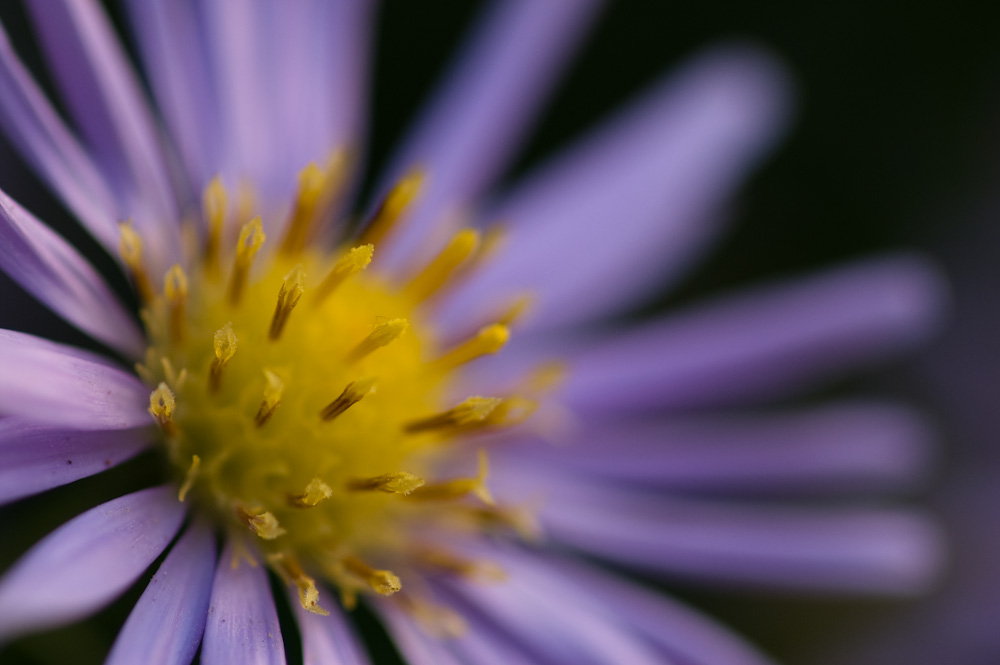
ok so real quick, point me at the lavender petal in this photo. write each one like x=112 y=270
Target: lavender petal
x=327 y=640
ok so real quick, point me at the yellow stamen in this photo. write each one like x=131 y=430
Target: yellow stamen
x=444 y=265
x=382 y=581
x=471 y=411
x=189 y=478
x=349 y=265
x=225 y=348
x=175 y=287
x=439 y=621
x=509 y=411
x=459 y=487
x=314 y=492
x=382 y=335
x=288 y=297
x=161 y=407
x=393 y=206
x=487 y=341
x=261 y=522
x=272 y=398
x=311 y=181
x=352 y=394
x=290 y=569
x=456 y=565
x=251 y=238
x=130 y=249
x=398 y=482
x=214 y=202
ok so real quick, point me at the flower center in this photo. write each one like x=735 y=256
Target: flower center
x=304 y=402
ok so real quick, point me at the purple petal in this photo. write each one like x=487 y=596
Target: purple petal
x=327 y=640
x=466 y=137
x=48 y=267
x=605 y=224
x=35 y=457
x=167 y=623
x=66 y=387
x=763 y=344
x=106 y=100
x=35 y=129
x=845 y=447
x=242 y=622
x=417 y=647
x=88 y=561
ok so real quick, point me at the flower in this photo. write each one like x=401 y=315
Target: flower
x=346 y=409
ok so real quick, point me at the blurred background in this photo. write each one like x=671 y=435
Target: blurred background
x=895 y=143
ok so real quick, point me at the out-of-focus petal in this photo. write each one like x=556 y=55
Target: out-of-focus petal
x=417 y=647
x=841 y=447
x=167 y=623
x=35 y=457
x=35 y=129
x=607 y=222
x=766 y=343
x=105 y=98
x=242 y=622
x=49 y=268
x=88 y=561
x=470 y=131
x=326 y=640
x=66 y=387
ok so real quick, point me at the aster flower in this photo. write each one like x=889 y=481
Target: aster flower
x=420 y=414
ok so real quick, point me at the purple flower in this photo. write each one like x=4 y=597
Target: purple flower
x=371 y=430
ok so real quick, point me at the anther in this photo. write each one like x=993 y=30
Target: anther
x=225 y=348
x=251 y=238
x=444 y=265
x=456 y=565
x=471 y=411
x=290 y=569
x=261 y=522
x=161 y=407
x=130 y=249
x=437 y=620
x=214 y=202
x=383 y=582
x=487 y=341
x=457 y=488
x=382 y=335
x=398 y=482
x=311 y=180
x=352 y=394
x=288 y=297
x=314 y=492
x=393 y=206
x=192 y=472
x=175 y=288
x=272 y=398
x=356 y=260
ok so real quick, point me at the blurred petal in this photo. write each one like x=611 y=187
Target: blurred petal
x=63 y=386
x=607 y=222
x=35 y=457
x=102 y=92
x=416 y=646
x=167 y=623
x=326 y=640
x=763 y=344
x=242 y=622
x=49 y=268
x=87 y=562
x=471 y=130
x=43 y=141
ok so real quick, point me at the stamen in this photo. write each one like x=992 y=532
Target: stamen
x=175 y=287
x=382 y=335
x=311 y=181
x=288 y=297
x=452 y=563
x=398 y=482
x=439 y=621
x=471 y=411
x=225 y=348
x=251 y=238
x=487 y=341
x=509 y=411
x=314 y=492
x=444 y=265
x=161 y=407
x=289 y=568
x=214 y=202
x=189 y=478
x=272 y=398
x=393 y=206
x=457 y=488
x=349 y=265
x=383 y=582
x=261 y=522
x=353 y=393
x=130 y=249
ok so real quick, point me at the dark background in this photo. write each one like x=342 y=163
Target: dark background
x=893 y=144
